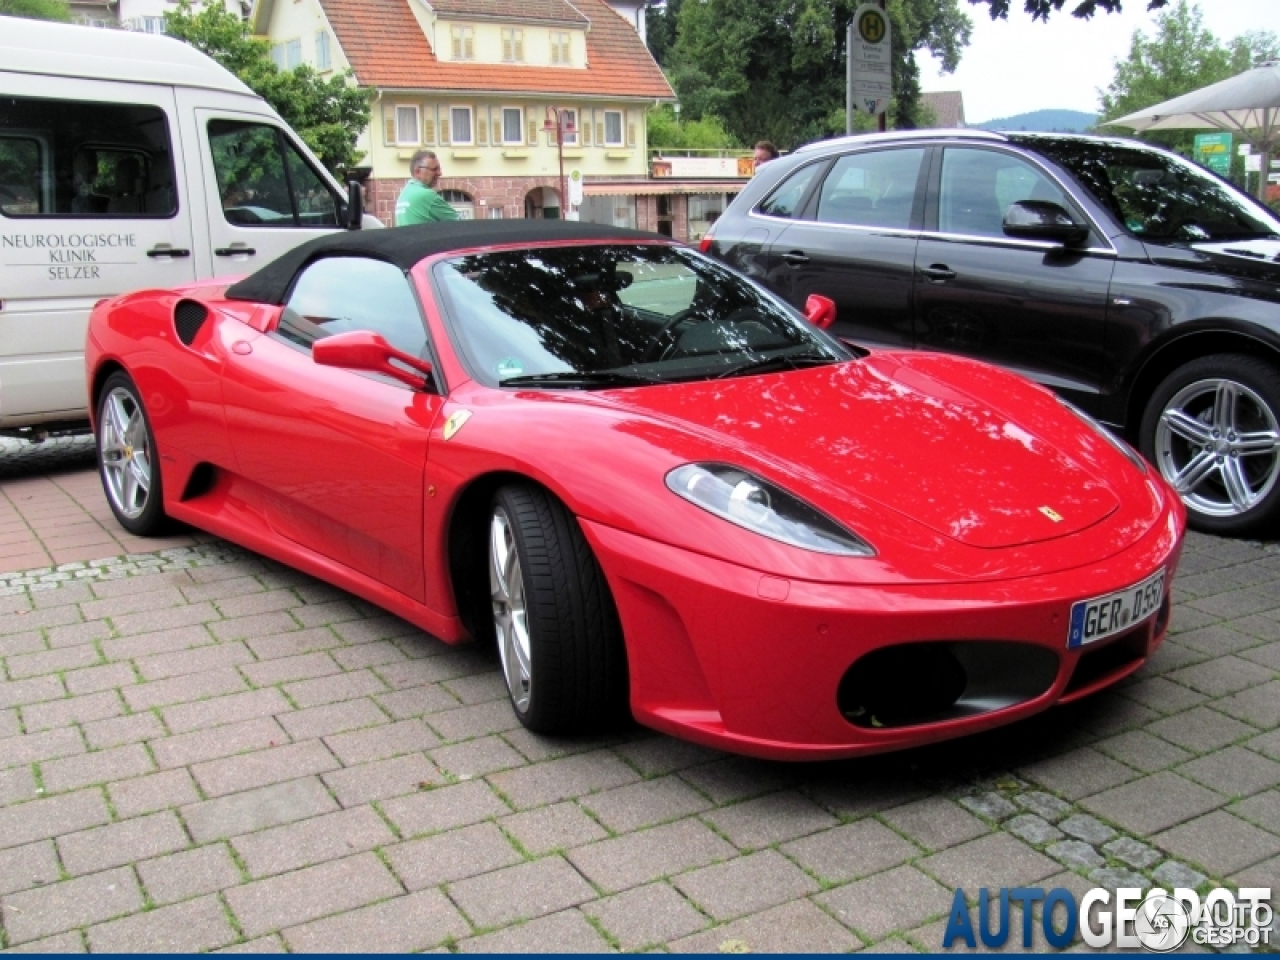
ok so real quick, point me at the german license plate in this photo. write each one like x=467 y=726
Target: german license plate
x=1101 y=617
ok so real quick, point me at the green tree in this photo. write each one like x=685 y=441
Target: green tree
x=329 y=114
x=660 y=27
x=1040 y=9
x=667 y=131
x=36 y=9
x=775 y=69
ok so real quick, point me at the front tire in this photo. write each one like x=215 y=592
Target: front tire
x=555 y=623
x=127 y=460
x=1212 y=429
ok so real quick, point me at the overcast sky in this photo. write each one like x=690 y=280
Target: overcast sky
x=1014 y=66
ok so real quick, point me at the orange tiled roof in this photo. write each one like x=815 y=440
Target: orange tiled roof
x=387 y=49
x=558 y=10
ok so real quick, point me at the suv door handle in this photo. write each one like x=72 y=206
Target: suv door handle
x=164 y=250
x=794 y=258
x=234 y=251
x=938 y=272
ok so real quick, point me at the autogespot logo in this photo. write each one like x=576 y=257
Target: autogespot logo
x=1158 y=920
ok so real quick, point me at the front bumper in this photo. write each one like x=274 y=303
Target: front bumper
x=737 y=659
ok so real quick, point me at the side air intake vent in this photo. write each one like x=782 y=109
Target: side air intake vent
x=188 y=317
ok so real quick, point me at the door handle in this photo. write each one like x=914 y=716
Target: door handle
x=164 y=250
x=794 y=258
x=938 y=272
x=233 y=251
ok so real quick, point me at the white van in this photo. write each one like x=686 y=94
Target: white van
x=127 y=161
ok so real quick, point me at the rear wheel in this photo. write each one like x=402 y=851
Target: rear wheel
x=127 y=458
x=1212 y=428
x=556 y=627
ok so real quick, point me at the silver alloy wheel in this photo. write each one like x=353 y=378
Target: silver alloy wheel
x=1218 y=444
x=510 y=619
x=126 y=453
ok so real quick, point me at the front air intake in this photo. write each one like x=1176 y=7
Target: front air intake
x=188 y=317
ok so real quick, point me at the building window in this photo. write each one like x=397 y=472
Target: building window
x=322 y=50
x=460 y=122
x=512 y=125
x=613 y=128
x=560 y=47
x=407 y=125
x=568 y=128
x=461 y=202
x=464 y=42
x=277 y=54
x=512 y=45
x=293 y=54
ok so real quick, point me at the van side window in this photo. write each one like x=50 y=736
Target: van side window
x=263 y=181
x=64 y=158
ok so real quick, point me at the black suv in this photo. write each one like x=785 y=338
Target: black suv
x=1140 y=287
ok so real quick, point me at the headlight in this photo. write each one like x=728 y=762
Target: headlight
x=763 y=508
x=1134 y=457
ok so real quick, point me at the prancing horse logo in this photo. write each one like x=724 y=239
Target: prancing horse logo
x=1052 y=514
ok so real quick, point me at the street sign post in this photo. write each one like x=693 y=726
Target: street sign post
x=870 y=62
x=1214 y=151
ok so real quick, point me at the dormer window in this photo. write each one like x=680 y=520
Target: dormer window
x=512 y=45
x=464 y=42
x=560 y=48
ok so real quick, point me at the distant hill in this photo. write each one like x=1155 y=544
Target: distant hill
x=1046 y=120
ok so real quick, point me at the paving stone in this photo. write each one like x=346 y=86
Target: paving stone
x=38 y=913
x=72 y=942
x=323 y=614
x=101 y=766
x=303 y=895
x=381 y=779
x=1043 y=805
x=52 y=661
x=41 y=819
x=17 y=784
x=1163 y=695
x=432 y=699
x=121 y=843
x=262 y=767
x=162 y=641
x=268 y=635
x=562 y=779
x=1075 y=854
x=520 y=892
x=647 y=916
x=1078 y=773
x=769 y=820
x=1259 y=875
x=414 y=922
x=1267 y=744
x=308 y=842
x=477 y=758
x=184 y=689
x=94 y=679
x=1035 y=830
x=850 y=851
x=118 y=731
x=935 y=823
x=257 y=809
x=390 y=740
x=1173 y=874
x=1130 y=851
x=444 y=808
x=647 y=855
x=972 y=864
x=333 y=718
x=305 y=666
x=1259 y=706
x=1262 y=809
x=1087 y=828
x=564 y=932
x=181 y=876
x=40 y=747
x=62 y=713
x=645 y=803
x=22 y=868
x=74 y=634
x=166 y=619
x=334 y=689
x=248 y=603
x=430 y=669
x=657 y=755
x=185 y=927
x=16 y=693
x=215 y=742
x=451 y=856
x=234 y=587
x=797 y=927
x=555 y=827
x=157 y=791
x=1200 y=729
x=1140 y=749
x=1220 y=676
x=156 y=598
x=383 y=627
x=1234 y=771
x=1219 y=842
x=1153 y=803
x=894 y=900
x=989 y=805
x=737 y=778
x=166 y=665
x=745 y=884
x=235 y=708
x=478 y=688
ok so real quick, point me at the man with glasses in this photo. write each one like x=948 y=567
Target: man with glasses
x=418 y=201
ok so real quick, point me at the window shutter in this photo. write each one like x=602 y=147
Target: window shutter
x=444 y=131
x=457 y=44
x=428 y=131
x=468 y=46
x=533 y=133
x=586 y=128
x=482 y=132
x=631 y=134
x=497 y=130
x=600 y=133
x=519 y=46
x=388 y=124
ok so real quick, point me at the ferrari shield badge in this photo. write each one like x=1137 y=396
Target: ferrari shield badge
x=1049 y=512
x=455 y=422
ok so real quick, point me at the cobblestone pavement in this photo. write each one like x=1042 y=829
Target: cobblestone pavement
x=200 y=749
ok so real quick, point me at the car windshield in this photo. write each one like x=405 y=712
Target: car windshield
x=1159 y=196
x=589 y=317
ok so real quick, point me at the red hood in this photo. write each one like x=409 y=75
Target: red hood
x=879 y=430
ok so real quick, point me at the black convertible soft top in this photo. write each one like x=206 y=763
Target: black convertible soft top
x=405 y=246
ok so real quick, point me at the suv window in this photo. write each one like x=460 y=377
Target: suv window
x=979 y=185
x=786 y=197
x=67 y=158
x=874 y=189
x=341 y=294
x=263 y=181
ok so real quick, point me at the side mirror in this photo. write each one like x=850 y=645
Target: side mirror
x=356 y=177
x=820 y=311
x=1043 y=220
x=364 y=350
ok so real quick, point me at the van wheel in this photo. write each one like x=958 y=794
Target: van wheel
x=127 y=458
x=556 y=627
x=1212 y=428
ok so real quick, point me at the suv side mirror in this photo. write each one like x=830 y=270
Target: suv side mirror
x=356 y=177
x=365 y=350
x=820 y=311
x=1043 y=220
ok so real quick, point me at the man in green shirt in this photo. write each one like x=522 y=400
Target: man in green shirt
x=418 y=202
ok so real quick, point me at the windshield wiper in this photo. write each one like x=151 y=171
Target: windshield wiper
x=580 y=379
x=770 y=364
